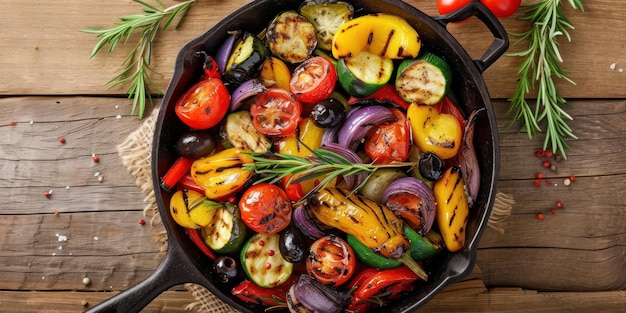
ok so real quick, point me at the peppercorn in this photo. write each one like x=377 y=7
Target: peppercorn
x=540 y=216
x=537 y=183
x=62 y=140
x=559 y=204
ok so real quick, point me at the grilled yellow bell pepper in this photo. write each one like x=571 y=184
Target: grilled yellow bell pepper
x=452 y=208
x=439 y=133
x=386 y=35
x=373 y=224
x=192 y=209
x=222 y=174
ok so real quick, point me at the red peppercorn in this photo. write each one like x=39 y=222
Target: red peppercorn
x=261 y=243
x=537 y=183
x=539 y=176
x=572 y=178
x=62 y=140
x=540 y=153
x=549 y=181
x=95 y=158
x=13 y=124
x=142 y=222
x=47 y=194
x=268 y=265
x=553 y=211
x=546 y=164
x=549 y=153
x=559 y=204
x=271 y=253
x=540 y=216
x=232 y=200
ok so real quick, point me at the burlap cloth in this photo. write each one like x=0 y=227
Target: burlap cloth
x=135 y=153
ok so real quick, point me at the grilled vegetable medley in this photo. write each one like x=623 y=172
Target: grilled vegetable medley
x=325 y=160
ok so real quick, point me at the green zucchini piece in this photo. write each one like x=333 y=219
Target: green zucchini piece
x=424 y=80
x=240 y=132
x=226 y=232
x=327 y=18
x=246 y=59
x=291 y=37
x=262 y=261
x=364 y=74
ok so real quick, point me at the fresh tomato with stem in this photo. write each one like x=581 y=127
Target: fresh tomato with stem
x=390 y=141
x=331 y=261
x=265 y=208
x=502 y=8
x=275 y=112
x=313 y=80
x=204 y=104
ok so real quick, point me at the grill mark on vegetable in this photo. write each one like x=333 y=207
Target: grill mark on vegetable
x=380 y=214
x=389 y=37
x=457 y=184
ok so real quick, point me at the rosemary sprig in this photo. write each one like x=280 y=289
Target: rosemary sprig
x=541 y=64
x=274 y=167
x=136 y=66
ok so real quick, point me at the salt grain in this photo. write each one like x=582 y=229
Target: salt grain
x=118 y=116
x=62 y=238
x=613 y=66
x=95 y=238
x=86 y=281
x=96 y=174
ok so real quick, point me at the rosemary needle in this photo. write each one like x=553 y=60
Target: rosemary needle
x=274 y=167
x=136 y=66
x=541 y=64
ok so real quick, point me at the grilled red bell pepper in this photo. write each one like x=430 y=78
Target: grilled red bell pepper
x=373 y=287
x=385 y=94
x=197 y=239
x=250 y=292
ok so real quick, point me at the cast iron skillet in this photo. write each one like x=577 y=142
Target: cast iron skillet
x=184 y=263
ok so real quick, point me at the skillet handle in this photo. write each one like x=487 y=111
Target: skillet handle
x=501 y=39
x=171 y=272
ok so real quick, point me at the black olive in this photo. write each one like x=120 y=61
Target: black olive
x=195 y=144
x=292 y=245
x=430 y=166
x=328 y=113
x=226 y=268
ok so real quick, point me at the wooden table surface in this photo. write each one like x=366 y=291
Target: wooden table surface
x=572 y=261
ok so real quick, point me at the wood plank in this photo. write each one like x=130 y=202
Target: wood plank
x=39 y=54
x=48 y=252
x=34 y=161
x=512 y=300
x=72 y=301
x=516 y=300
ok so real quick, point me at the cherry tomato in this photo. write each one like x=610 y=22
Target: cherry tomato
x=502 y=8
x=204 y=104
x=448 y=6
x=390 y=141
x=313 y=80
x=265 y=208
x=275 y=112
x=331 y=261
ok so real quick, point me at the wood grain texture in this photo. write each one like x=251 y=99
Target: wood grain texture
x=42 y=40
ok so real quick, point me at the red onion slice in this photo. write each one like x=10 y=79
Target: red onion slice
x=306 y=223
x=359 y=123
x=318 y=297
x=468 y=162
x=351 y=180
x=246 y=90
x=223 y=53
x=414 y=186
